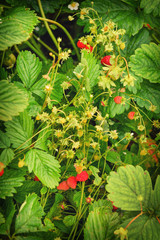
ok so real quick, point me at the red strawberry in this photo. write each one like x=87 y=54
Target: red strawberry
x=82 y=177
x=1 y=172
x=63 y=186
x=114 y=207
x=71 y=182
x=89 y=47
x=131 y=115
x=88 y=199
x=106 y=60
x=117 y=99
x=149 y=26
x=80 y=44
x=102 y=103
x=36 y=178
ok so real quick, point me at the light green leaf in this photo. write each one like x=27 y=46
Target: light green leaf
x=8 y=212
x=101 y=203
x=4 y=140
x=69 y=220
x=114 y=157
x=7 y=156
x=128 y=187
x=45 y=167
x=38 y=88
x=100 y=224
x=151 y=6
x=146 y=62
x=77 y=198
x=27 y=187
x=95 y=171
x=149 y=95
x=9 y=181
x=144 y=227
x=12 y=100
x=156 y=196
x=29 y=216
x=16 y=27
x=28 y=68
x=20 y=130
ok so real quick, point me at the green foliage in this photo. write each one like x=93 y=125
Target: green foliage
x=151 y=6
x=146 y=62
x=128 y=187
x=28 y=68
x=29 y=216
x=7 y=156
x=45 y=167
x=12 y=100
x=114 y=157
x=16 y=27
x=20 y=130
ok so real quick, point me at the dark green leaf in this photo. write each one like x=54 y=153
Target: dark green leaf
x=4 y=140
x=41 y=142
x=151 y=6
x=69 y=220
x=114 y=157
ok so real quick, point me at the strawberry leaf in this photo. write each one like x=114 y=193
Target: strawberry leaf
x=128 y=186
x=16 y=27
x=146 y=62
x=6 y=156
x=151 y=6
x=29 y=216
x=45 y=167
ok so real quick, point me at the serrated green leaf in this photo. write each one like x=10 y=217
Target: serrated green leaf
x=38 y=88
x=134 y=42
x=146 y=62
x=20 y=130
x=125 y=15
x=128 y=186
x=151 y=6
x=28 y=68
x=27 y=187
x=9 y=181
x=156 y=196
x=12 y=100
x=4 y=140
x=69 y=220
x=149 y=95
x=45 y=167
x=29 y=216
x=57 y=92
x=2 y=219
x=144 y=227
x=100 y=224
x=7 y=156
x=77 y=198
x=95 y=171
x=114 y=157
x=101 y=203
x=16 y=27
x=8 y=209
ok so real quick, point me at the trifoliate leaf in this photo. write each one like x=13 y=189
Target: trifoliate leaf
x=16 y=26
x=20 y=130
x=45 y=167
x=129 y=187
x=28 y=68
x=12 y=100
x=29 y=216
x=146 y=62
x=9 y=181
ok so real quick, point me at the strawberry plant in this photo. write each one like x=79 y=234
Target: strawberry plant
x=79 y=120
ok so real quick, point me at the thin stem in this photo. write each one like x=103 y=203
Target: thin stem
x=155 y=38
x=46 y=24
x=2 y=58
x=133 y=220
x=17 y=49
x=65 y=31
x=45 y=45
x=35 y=50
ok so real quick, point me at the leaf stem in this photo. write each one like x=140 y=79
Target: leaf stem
x=46 y=24
x=65 y=31
x=133 y=220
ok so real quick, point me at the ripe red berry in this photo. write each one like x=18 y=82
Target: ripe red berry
x=102 y=103
x=106 y=60
x=80 y=44
x=114 y=207
x=63 y=186
x=36 y=178
x=117 y=99
x=131 y=115
x=71 y=182
x=88 y=199
x=149 y=26
x=82 y=177
x=1 y=172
